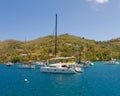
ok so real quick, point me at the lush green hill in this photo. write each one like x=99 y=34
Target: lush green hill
x=67 y=45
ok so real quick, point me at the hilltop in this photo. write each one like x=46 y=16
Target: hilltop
x=67 y=45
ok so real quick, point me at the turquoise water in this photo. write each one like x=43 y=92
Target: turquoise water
x=97 y=80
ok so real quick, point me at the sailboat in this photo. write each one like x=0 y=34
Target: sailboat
x=8 y=62
x=112 y=61
x=85 y=62
x=26 y=64
x=59 y=67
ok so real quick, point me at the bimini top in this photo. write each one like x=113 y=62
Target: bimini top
x=58 y=58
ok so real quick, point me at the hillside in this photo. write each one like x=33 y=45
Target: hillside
x=67 y=45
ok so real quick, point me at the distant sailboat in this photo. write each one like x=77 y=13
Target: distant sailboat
x=8 y=61
x=112 y=61
x=85 y=62
x=26 y=64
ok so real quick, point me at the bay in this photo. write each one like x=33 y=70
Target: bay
x=97 y=80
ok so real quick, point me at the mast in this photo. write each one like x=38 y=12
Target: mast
x=55 y=35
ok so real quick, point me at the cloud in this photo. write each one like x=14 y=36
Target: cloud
x=98 y=5
x=99 y=1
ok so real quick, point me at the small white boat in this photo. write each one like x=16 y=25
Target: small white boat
x=27 y=65
x=112 y=62
x=78 y=69
x=39 y=63
x=9 y=63
x=85 y=64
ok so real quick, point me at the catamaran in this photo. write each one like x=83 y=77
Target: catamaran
x=59 y=67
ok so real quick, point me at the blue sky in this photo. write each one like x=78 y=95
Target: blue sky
x=93 y=19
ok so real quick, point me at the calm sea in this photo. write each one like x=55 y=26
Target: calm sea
x=97 y=80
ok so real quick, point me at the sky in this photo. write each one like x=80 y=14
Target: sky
x=30 y=19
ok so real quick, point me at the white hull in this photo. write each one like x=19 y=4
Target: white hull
x=39 y=63
x=78 y=69
x=25 y=66
x=9 y=63
x=112 y=62
x=57 y=70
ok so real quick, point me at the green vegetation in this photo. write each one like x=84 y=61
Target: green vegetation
x=68 y=45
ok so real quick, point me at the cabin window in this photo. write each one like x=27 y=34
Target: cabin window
x=64 y=65
x=55 y=70
x=62 y=70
